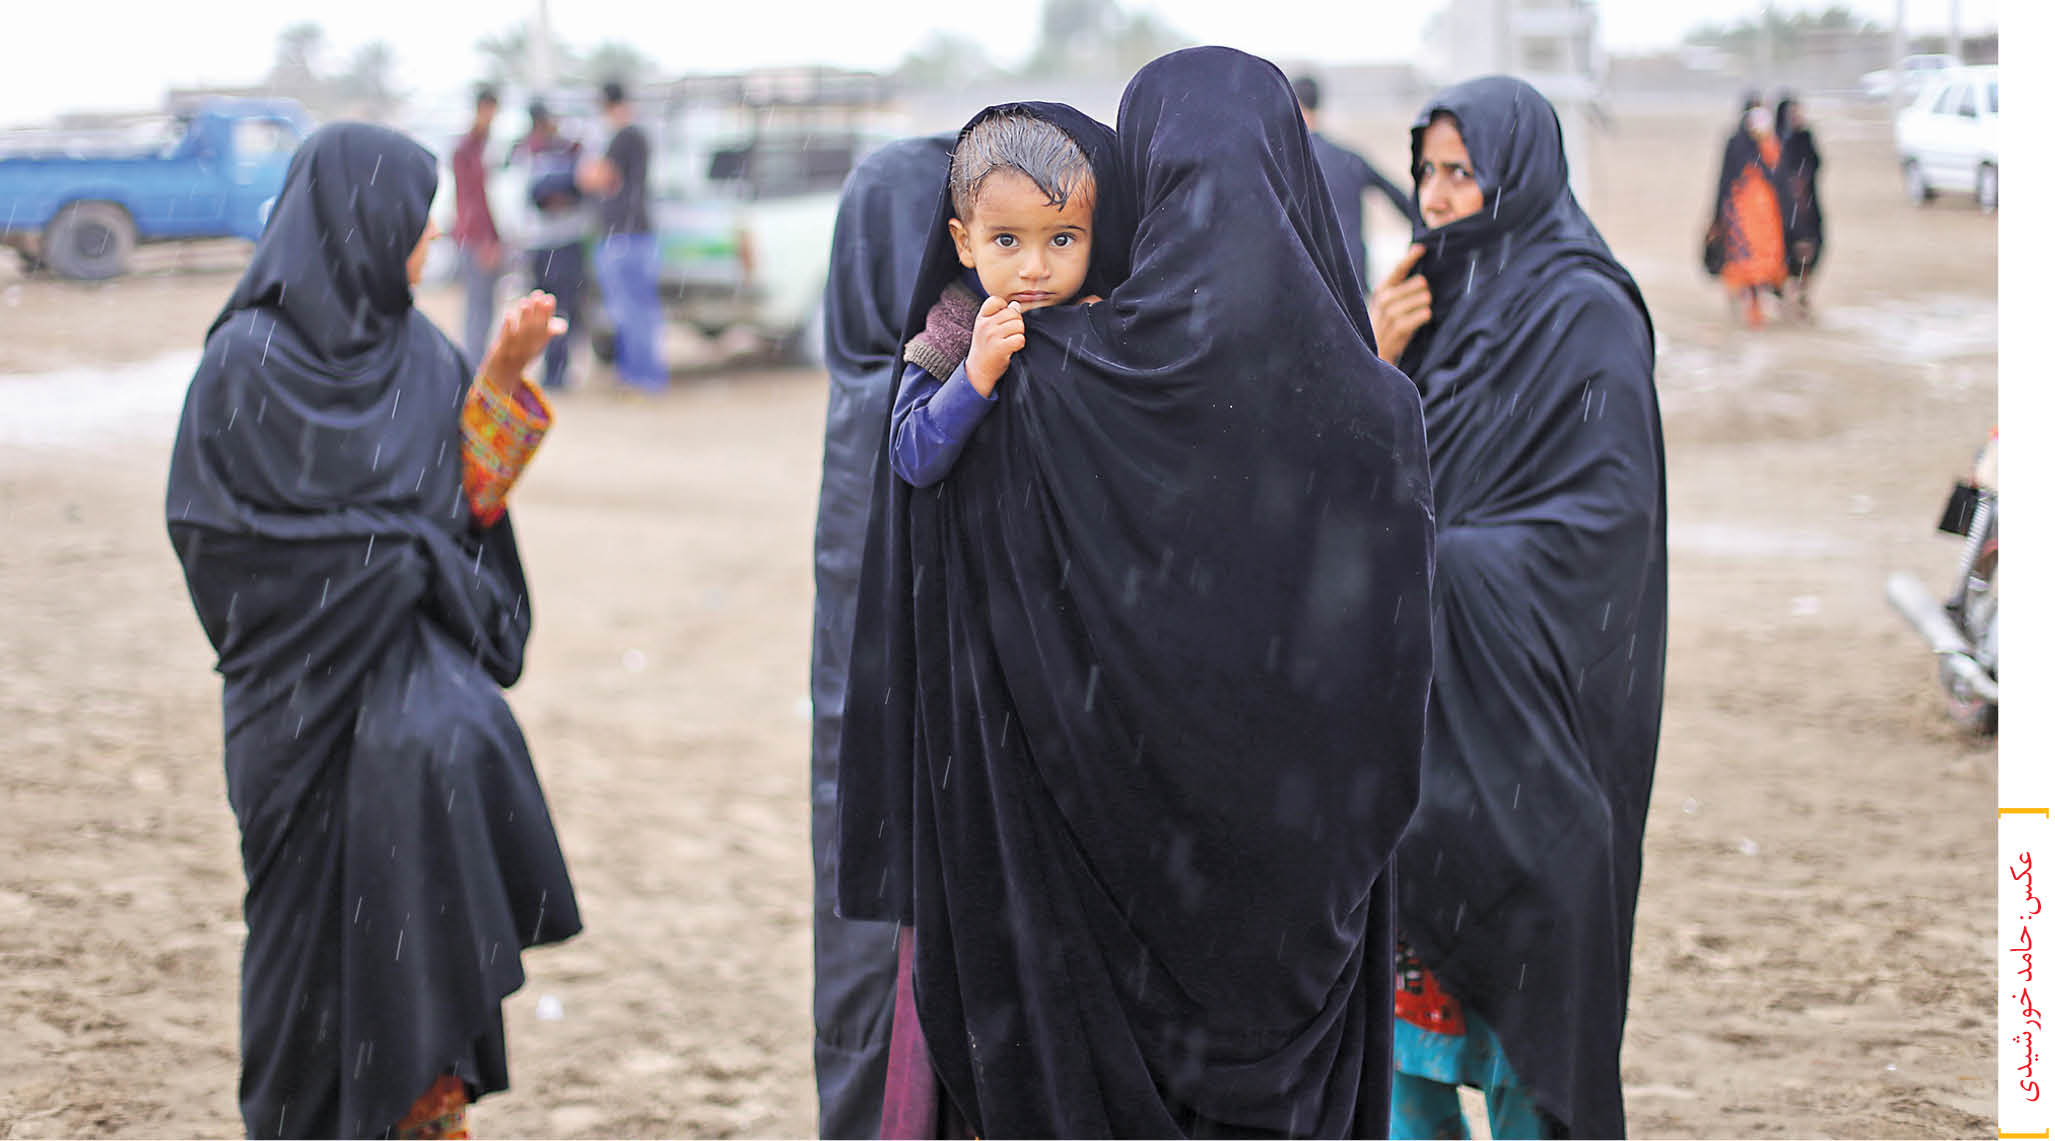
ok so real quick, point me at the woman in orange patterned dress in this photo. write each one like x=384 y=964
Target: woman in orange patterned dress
x=1749 y=220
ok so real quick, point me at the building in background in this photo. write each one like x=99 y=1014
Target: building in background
x=1552 y=44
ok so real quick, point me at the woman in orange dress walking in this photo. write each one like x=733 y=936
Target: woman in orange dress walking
x=1748 y=221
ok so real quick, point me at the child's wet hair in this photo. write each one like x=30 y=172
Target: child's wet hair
x=1042 y=151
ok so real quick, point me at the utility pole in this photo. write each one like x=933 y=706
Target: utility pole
x=542 y=55
x=1955 y=28
x=1898 y=62
x=1762 y=45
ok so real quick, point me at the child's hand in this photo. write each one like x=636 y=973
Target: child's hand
x=1000 y=333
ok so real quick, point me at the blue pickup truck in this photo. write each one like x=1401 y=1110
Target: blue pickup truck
x=80 y=204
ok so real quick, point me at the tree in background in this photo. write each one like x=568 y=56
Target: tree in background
x=509 y=62
x=945 y=59
x=1076 y=38
x=296 y=69
x=616 y=61
x=368 y=81
x=1789 y=32
x=364 y=89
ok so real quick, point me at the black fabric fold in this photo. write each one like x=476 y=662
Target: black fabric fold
x=1798 y=170
x=1519 y=874
x=880 y=234
x=398 y=851
x=1136 y=700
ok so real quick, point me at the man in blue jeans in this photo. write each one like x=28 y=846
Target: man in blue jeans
x=480 y=257
x=626 y=261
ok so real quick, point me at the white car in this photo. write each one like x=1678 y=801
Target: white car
x=1917 y=70
x=1948 y=138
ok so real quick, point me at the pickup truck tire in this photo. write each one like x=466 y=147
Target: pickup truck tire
x=807 y=345
x=1987 y=187
x=1917 y=189
x=91 y=241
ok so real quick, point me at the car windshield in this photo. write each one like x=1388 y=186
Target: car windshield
x=1991 y=97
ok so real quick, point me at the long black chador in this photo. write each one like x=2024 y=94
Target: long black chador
x=1136 y=705
x=1518 y=878
x=397 y=848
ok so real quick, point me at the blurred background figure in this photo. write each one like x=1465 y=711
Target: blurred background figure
x=556 y=223
x=1747 y=215
x=1348 y=176
x=1798 y=169
x=479 y=258
x=881 y=225
x=627 y=255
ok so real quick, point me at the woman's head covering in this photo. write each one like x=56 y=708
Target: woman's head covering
x=1785 y=106
x=333 y=256
x=1133 y=722
x=1531 y=224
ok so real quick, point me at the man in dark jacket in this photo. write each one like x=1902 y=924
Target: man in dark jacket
x=1348 y=176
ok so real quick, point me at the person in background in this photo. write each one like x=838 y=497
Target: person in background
x=1798 y=171
x=626 y=260
x=881 y=224
x=556 y=224
x=1748 y=217
x=1348 y=176
x=478 y=246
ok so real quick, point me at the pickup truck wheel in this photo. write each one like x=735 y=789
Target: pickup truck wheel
x=91 y=241
x=807 y=345
x=1987 y=188
x=1916 y=186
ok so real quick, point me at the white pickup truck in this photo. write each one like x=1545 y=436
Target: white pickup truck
x=743 y=229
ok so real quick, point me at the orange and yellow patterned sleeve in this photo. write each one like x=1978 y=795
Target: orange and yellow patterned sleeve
x=501 y=432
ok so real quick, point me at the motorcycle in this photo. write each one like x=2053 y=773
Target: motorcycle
x=1963 y=630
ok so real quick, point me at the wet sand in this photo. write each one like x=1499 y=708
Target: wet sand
x=1813 y=956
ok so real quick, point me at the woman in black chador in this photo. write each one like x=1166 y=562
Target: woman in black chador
x=1135 y=707
x=337 y=501
x=1518 y=877
x=1798 y=190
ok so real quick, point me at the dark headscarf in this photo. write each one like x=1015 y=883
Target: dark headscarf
x=333 y=260
x=1138 y=688
x=1519 y=875
x=396 y=845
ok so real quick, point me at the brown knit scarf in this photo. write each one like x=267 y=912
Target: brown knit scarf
x=942 y=346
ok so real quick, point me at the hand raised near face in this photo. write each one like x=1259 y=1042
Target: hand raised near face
x=1000 y=332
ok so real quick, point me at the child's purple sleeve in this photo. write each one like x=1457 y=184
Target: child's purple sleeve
x=931 y=422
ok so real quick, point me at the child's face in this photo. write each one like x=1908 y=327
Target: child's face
x=1024 y=249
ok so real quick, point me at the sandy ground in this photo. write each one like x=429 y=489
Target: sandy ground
x=1814 y=954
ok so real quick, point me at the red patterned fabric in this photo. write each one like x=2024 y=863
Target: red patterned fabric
x=1421 y=1001
x=442 y=1112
